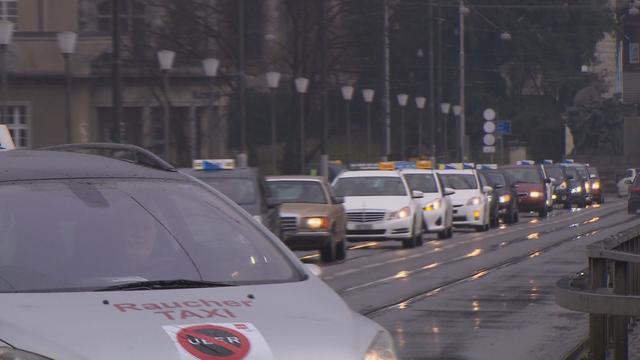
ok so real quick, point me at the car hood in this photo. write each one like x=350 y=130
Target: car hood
x=527 y=187
x=304 y=210
x=388 y=203
x=279 y=321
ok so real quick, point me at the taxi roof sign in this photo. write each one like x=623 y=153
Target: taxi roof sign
x=387 y=165
x=214 y=164
x=568 y=161
x=424 y=164
x=364 y=166
x=6 y=141
x=487 y=166
x=458 y=166
x=547 y=162
x=525 y=162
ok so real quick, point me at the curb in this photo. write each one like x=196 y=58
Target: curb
x=578 y=351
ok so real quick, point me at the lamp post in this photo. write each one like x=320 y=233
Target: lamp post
x=210 y=67
x=457 y=111
x=463 y=10
x=445 y=108
x=273 y=79
x=301 y=87
x=421 y=101
x=347 y=95
x=165 y=60
x=368 y=94
x=402 y=101
x=67 y=41
x=6 y=33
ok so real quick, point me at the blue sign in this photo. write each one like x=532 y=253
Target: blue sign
x=503 y=127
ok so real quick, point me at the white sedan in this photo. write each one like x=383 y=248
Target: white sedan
x=470 y=201
x=437 y=210
x=626 y=181
x=380 y=206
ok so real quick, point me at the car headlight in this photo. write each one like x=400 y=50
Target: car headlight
x=476 y=200
x=587 y=187
x=15 y=354
x=434 y=205
x=504 y=199
x=315 y=223
x=400 y=214
x=535 y=194
x=381 y=348
x=576 y=190
x=596 y=185
x=563 y=185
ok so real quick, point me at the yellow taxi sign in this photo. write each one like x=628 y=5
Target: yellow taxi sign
x=387 y=165
x=424 y=164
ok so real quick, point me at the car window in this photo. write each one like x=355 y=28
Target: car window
x=241 y=191
x=422 y=182
x=88 y=234
x=297 y=192
x=459 y=181
x=582 y=171
x=483 y=180
x=495 y=178
x=555 y=172
x=524 y=175
x=370 y=186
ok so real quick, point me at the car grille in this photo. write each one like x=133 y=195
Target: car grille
x=460 y=218
x=365 y=216
x=288 y=224
x=523 y=194
x=400 y=231
x=365 y=232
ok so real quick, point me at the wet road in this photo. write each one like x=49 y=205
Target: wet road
x=478 y=295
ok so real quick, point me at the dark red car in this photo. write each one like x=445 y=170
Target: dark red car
x=531 y=186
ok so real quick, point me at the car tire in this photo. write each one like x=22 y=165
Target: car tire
x=482 y=228
x=409 y=243
x=449 y=233
x=582 y=204
x=341 y=250
x=543 y=213
x=567 y=206
x=328 y=252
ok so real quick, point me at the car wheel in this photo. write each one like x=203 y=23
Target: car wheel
x=582 y=204
x=409 y=243
x=449 y=234
x=482 y=228
x=543 y=213
x=567 y=205
x=328 y=252
x=341 y=250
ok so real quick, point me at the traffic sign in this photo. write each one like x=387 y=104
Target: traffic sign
x=489 y=139
x=489 y=149
x=489 y=127
x=489 y=114
x=503 y=127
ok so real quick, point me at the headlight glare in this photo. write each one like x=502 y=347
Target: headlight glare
x=15 y=354
x=400 y=214
x=535 y=194
x=476 y=200
x=596 y=185
x=576 y=190
x=587 y=187
x=316 y=223
x=434 y=205
x=504 y=199
x=381 y=348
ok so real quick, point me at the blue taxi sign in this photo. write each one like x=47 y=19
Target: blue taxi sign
x=459 y=166
x=214 y=164
x=487 y=166
x=525 y=162
x=568 y=161
x=364 y=166
x=547 y=162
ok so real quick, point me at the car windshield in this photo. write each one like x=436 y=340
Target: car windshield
x=84 y=234
x=459 y=181
x=524 y=175
x=554 y=172
x=495 y=178
x=297 y=191
x=422 y=182
x=370 y=186
x=593 y=172
x=241 y=191
x=582 y=171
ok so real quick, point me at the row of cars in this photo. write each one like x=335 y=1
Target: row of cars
x=399 y=200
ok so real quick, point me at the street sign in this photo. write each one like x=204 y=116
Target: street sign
x=489 y=139
x=489 y=149
x=504 y=127
x=489 y=127
x=489 y=114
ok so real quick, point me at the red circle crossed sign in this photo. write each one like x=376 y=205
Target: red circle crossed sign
x=210 y=342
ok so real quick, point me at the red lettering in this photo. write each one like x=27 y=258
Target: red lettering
x=172 y=305
x=229 y=313
x=185 y=314
x=212 y=313
x=167 y=314
x=210 y=303
x=231 y=303
x=126 y=306
x=192 y=304
x=151 y=307
x=247 y=303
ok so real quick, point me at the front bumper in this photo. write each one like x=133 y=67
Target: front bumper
x=398 y=229
x=527 y=203
x=435 y=220
x=468 y=215
x=307 y=240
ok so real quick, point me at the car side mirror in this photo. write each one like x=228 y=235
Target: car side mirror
x=273 y=202
x=338 y=199
x=417 y=194
x=547 y=181
x=628 y=182
x=498 y=186
x=553 y=180
x=448 y=192
x=487 y=189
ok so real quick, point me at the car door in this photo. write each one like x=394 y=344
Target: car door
x=271 y=213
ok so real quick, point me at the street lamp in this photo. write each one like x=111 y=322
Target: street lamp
x=421 y=101
x=301 y=87
x=165 y=60
x=445 y=108
x=457 y=111
x=6 y=33
x=368 y=94
x=273 y=79
x=347 y=95
x=67 y=41
x=402 y=101
x=210 y=67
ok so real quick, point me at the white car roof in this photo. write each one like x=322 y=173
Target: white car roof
x=417 y=171
x=452 y=171
x=369 y=173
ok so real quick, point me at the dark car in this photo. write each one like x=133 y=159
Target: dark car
x=580 y=186
x=633 y=204
x=597 y=194
x=531 y=186
x=566 y=182
x=504 y=196
x=247 y=188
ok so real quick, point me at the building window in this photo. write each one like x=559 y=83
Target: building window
x=131 y=16
x=18 y=124
x=9 y=10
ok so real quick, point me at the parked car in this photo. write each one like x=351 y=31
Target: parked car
x=531 y=186
x=597 y=193
x=245 y=186
x=505 y=195
x=437 y=211
x=158 y=263
x=625 y=182
x=470 y=200
x=311 y=218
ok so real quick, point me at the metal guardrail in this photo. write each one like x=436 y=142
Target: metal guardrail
x=609 y=291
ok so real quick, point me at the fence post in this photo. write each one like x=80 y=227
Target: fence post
x=597 y=336
x=621 y=348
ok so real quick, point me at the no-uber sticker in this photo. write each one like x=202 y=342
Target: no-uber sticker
x=229 y=341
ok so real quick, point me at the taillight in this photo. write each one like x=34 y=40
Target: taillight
x=635 y=189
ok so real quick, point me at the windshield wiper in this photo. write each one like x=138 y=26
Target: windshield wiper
x=165 y=284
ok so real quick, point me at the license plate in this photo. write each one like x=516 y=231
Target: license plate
x=364 y=227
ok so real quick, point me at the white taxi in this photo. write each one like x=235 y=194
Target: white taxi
x=380 y=206
x=470 y=200
x=437 y=210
